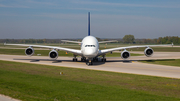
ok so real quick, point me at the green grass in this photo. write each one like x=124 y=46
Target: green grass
x=170 y=62
x=30 y=82
x=46 y=53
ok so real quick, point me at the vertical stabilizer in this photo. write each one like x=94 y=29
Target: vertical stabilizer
x=88 y=23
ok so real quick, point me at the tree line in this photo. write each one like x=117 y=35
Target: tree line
x=27 y=41
x=127 y=39
x=160 y=40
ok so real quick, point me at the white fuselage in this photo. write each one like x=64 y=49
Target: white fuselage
x=90 y=47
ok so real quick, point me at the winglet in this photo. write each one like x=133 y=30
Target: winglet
x=88 y=23
x=5 y=43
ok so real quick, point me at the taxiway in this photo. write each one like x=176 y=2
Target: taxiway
x=113 y=64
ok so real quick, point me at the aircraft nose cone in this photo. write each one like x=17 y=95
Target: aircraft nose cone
x=90 y=53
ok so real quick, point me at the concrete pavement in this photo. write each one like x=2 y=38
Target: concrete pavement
x=113 y=64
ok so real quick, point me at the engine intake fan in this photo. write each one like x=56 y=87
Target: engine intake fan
x=125 y=54
x=148 y=52
x=53 y=54
x=29 y=51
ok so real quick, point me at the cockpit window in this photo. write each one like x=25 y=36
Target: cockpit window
x=90 y=46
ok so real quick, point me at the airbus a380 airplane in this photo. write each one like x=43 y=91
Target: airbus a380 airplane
x=89 y=49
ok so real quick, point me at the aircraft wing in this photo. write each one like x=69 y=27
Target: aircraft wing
x=74 y=51
x=108 y=41
x=104 y=51
x=70 y=41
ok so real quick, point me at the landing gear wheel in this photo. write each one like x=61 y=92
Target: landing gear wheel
x=83 y=59
x=89 y=63
x=95 y=59
x=103 y=59
x=74 y=59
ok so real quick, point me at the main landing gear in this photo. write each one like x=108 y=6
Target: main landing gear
x=75 y=59
x=90 y=61
x=83 y=59
x=103 y=59
x=95 y=59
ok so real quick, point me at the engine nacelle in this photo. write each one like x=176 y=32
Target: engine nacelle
x=125 y=54
x=148 y=52
x=29 y=51
x=53 y=54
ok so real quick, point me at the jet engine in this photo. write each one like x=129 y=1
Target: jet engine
x=53 y=54
x=125 y=54
x=29 y=51
x=148 y=52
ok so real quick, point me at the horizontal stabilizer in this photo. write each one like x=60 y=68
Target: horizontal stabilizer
x=108 y=41
x=70 y=41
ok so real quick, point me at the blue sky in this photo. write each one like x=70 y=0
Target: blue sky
x=38 y=19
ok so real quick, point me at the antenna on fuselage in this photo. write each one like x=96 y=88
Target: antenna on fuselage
x=88 y=23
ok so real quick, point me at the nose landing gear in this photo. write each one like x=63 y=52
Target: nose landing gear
x=89 y=63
